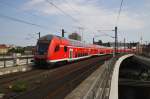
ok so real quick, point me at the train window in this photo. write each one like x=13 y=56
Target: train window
x=86 y=54
x=65 y=48
x=76 y=55
x=42 y=48
x=57 y=48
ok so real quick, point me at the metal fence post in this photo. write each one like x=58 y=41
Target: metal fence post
x=27 y=60
x=14 y=59
x=4 y=60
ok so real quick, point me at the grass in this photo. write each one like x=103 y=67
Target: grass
x=1 y=94
x=19 y=86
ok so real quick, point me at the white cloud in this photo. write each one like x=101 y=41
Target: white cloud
x=91 y=16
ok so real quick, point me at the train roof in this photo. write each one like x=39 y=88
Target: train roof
x=46 y=37
x=72 y=42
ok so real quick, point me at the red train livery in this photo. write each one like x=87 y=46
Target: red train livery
x=52 y=49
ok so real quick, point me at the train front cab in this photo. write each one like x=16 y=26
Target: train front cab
x=50 y=50
x=42 y=50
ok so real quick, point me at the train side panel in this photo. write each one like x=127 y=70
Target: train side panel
x=58 y=50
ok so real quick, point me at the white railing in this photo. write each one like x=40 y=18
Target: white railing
x=9 y=61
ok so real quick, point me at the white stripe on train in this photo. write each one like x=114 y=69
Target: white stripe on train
x=72 y=59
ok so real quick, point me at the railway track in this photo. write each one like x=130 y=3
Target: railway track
x=53 y=83
x=16 y=76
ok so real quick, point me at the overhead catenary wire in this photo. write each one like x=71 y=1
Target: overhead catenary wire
x=7 y=4
x=22 y=21
x=68 y=4
x=25 y=21
x=62 y=11
x=119 y=12
x=26 y=13
x=51 y=3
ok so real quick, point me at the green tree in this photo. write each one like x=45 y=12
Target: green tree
x=75 y=36
x=16 y=50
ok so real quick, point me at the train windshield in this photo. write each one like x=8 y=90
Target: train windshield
x=42 y=48
x=43 y=44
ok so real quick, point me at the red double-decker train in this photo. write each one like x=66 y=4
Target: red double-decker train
x=51 y=49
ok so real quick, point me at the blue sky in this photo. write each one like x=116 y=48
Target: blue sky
x=91 y=15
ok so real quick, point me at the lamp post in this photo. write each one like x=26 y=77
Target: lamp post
x=63 y=32
x=39 y=34
x=115 y=37
x=116 y=40
x=124 y=44
x=81 y=29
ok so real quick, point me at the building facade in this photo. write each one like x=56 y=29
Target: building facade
x=3 y=49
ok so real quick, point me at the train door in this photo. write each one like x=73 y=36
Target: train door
x=71 y=53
